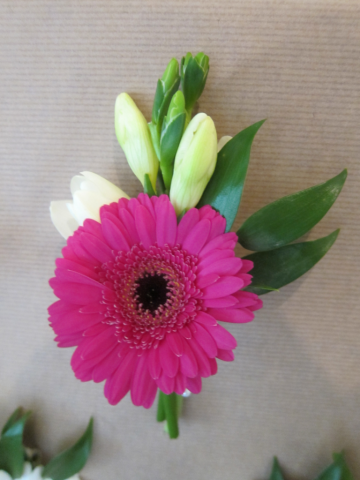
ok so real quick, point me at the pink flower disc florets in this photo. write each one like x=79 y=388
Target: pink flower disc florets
x=141 y=296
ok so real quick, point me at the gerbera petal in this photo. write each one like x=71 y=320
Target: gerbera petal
x=246 y=299
x=105 y=341
x=175 y=343
x=188 y=363
x=128 y=220
x=232 y=315
x=139 y=384
x=154 y=363
x=180 y=383
x=225 y=355
x=225 y=266
x=196 y=239
x=168 y=360
x=219 y=242
x=222 y=337
x=166 y=224
x=118 y=385
x=223 y=287
x=205 y=319
x=66 y=264
x=207 y=280
x=194 y=384
x=114 y=236
x=74 y=322
x=166 y=384
x=106 y=367
x=96 y=248
x=145 y=225
x=187 y=223
x=214 y=256
x=218 y=225
x=205 y=340
x=75 y=293
x=201 y=358
x=222 y=302
x=247 y=265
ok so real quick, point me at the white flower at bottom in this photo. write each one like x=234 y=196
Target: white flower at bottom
x=30 y=474
x=90 y=192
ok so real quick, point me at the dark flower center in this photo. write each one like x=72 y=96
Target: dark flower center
x=151 y=292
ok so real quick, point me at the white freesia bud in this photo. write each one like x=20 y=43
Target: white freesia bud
x=194 y=163
x=90 y=192
x=133 y=134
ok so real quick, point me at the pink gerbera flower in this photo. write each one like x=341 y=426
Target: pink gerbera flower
x=141 y=297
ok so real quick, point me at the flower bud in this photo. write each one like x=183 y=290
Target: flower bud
x=90 y=192
x=194 y=163
x=194 y=72
x=133 y=134
x=166 y=87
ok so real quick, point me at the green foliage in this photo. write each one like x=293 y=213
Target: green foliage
x=194 y=72
x=276 y=268
x=148 y=188
x=12 y=453
x=72 y=460
x=225 y=187
x=290 y=217
x=338 y=470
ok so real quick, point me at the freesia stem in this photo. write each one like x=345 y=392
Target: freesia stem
x=160 y=416
x=171 y=412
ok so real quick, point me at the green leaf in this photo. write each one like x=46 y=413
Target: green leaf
x=148 y=188
x=340 y=459
x=283 y=265
x=194 y=72
x=11 y=444
x=225 y=188
x=276 y=473
x=290 y=217
x=72 y=460
x=14 y=417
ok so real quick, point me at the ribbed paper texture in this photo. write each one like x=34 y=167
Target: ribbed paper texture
x=294 y=388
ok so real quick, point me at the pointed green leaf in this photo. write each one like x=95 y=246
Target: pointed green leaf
x=283 y=265
x=14 y=417
x=225 y=188
x=290 y=217
x=148 y=188
x=11 y=444
x=72 y=460
x=346 y=473
x=276 y=473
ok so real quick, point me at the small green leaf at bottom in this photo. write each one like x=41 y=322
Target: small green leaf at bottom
x=283 y=265
x=276 y=473
x=72 y=460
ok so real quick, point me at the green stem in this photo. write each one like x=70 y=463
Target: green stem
x=171 y=412
x=160 y=416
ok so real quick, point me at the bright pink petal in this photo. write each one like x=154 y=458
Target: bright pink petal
x=188 y=363
x=118 y=385
x=232 y=315
x=145 y=225
x=201 y=358
x=222 y=302
x=128 y=220
x=96 y=248
x=225 y=266
x=65 y=264
x=218 y=225
x=187 y=223
x=223 y=287
x=247 y=266
x=114 y=236
x=168 y=360
x=75 y=292
x=197 y=237
x=222 y=337
x=194 y=384
x=166 y=223
x=175 y=343
x=205 y=340
x=219 y=242
x=154 y=363
x=105 y=341
x=166 y=384
x=207 y=212
x=140 y=380
x=205 y=319
x=225 y=355
x=106 y=367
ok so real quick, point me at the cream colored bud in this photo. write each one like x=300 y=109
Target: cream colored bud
x=90 y=192
x=194 y=163
x=133 y=134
